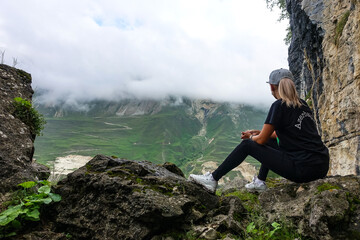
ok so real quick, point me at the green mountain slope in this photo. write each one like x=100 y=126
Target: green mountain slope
x=188 y=133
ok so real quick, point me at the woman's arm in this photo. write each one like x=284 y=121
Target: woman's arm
x=265 y=134
x=273 y=135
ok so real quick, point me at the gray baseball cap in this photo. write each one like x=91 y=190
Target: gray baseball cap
x=278 y=74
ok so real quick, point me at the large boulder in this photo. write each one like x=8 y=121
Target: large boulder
x=121 y=199
x=16 y=140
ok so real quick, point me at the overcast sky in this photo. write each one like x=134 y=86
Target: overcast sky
x=85 y=49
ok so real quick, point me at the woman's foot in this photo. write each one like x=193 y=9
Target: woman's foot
x=206 y=180
x=256 y=185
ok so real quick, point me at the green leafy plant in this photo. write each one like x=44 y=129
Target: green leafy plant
x=29 y=115
x=281 y=4
x=284 y=15
x=263 y=232
x=259 y=228
x=26 y=206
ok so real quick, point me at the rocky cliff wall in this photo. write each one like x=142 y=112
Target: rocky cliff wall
x=324 y=56
x=16 y=140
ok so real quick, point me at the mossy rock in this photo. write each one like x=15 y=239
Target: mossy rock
x=340 y=26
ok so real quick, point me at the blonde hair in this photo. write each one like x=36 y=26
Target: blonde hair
x=288 y=94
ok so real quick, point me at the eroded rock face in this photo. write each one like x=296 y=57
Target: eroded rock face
x=16 y=140
x=324 y=56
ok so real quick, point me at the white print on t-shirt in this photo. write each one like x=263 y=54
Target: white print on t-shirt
x=301 y=117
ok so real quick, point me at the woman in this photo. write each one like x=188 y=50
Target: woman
x=288 y=143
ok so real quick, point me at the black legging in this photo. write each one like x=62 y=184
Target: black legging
x=271 y=157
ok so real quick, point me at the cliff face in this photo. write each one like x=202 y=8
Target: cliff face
x=324 y=56
x=16 y=140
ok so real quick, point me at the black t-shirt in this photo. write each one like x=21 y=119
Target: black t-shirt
x=297 y=132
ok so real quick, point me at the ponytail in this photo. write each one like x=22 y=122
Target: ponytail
x=288 y=93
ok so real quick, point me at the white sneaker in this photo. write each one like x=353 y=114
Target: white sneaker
x=206 y=180
x=256 y=185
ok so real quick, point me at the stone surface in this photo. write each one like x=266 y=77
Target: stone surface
x=323 y=209
x=16 y=141
x=122 y=199
x=326 y=65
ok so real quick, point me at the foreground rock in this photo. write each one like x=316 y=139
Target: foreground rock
x=325 y=209
x=16 y=140
x=122 y=199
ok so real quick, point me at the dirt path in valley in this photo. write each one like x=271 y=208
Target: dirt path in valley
x=69 y=163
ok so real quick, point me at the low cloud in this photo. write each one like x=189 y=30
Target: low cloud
x=88 y=49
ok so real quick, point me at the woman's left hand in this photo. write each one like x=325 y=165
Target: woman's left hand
x=246 y=134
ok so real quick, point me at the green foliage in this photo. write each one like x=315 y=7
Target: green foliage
x=326 y=186
x=288 y=36
x=26 y=206
x=139 y=181
x=260 y=229
x=249 y=200
x=68 y=236
x=281 y=4
x=263 y=232
x=24 y=75
x=340 y=26
x=29 y=115
x=353 y=202
x=273 y=182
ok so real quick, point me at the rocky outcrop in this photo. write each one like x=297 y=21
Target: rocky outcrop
x=325 y=209
x=16 y=140
x=324 y=56
x=112 y=198
x=121 y=199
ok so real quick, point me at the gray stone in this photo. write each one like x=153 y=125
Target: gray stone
x=16 y=140
x=124 y=199
x=323 y=209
